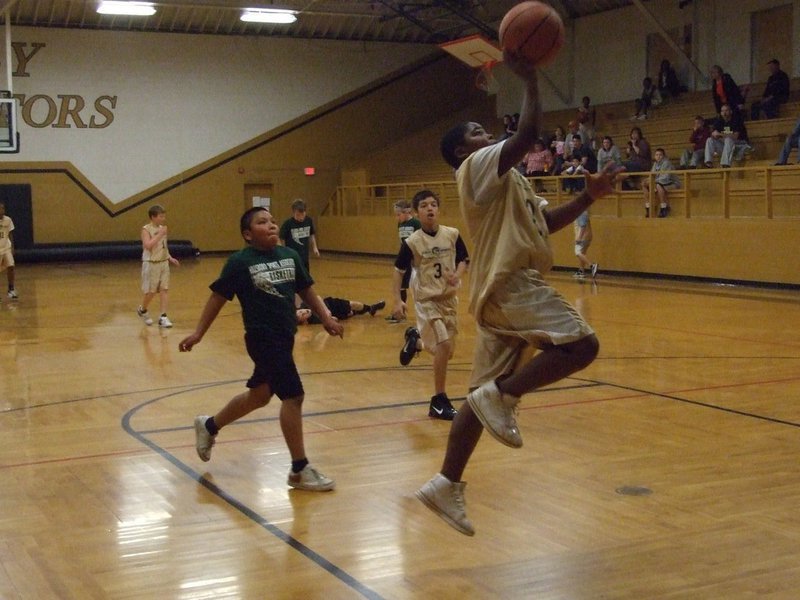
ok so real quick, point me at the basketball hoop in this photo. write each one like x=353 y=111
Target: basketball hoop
x=484 y=80
x=479 y=53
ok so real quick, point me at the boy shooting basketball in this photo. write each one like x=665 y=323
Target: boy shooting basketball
x=265 y=277
x=512 y=304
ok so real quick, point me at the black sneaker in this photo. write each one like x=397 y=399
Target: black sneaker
x=410 y=346
x=373 y=308
x=441 y=408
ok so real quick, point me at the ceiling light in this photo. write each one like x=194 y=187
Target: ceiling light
x=136 y=9
x=269 y=15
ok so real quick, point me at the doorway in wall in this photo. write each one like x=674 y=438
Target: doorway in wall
x=19 y=207
x=258 y=194
x=771 y=33
x=658 y=49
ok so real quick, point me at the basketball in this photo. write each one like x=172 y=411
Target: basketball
x=534 y=31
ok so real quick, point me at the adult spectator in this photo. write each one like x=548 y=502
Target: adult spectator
x=692 y=157
x=586 y=118
x=537 y=161
x=775 y=93
x=582 y=160
x=574 y=132
x=650 y=97
x=608 y=153
x=668 y=84
x=792 y=141
x=638 y=158
x=728 y=138
x=558 y=146
x=637 y=153
x=725 y=91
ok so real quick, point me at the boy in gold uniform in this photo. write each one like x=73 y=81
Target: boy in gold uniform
x=438 y=258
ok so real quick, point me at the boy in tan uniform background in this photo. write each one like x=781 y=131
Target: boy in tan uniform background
x=437 y=257
x=155 y=265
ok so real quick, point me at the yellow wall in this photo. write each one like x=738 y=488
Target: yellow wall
x=740 y=250
x=204 y=204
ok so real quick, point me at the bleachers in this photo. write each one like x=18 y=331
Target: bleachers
x=669 y=124
x=752 y=188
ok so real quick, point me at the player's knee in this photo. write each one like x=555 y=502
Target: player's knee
x=585 y=351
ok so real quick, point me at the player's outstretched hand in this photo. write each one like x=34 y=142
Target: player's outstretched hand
x=188 y=342
x=399 y=311
x=333 y=327
x=602 y=183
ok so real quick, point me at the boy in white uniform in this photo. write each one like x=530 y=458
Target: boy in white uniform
x=512 y=304
x=7 y=250
x=437 y=257
x=155 y=265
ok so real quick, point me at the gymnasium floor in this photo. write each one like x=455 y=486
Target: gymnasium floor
x=668 y=469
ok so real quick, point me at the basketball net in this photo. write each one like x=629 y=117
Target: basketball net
x=484 y=80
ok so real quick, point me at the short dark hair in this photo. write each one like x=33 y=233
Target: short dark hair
x=421 y=195
x=664 y=152
x=247 y=218
x=775 y=62
x=155 y=210
x=452 y=140
x=299 y=204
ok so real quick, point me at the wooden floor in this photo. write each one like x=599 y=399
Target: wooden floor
x=668 y=469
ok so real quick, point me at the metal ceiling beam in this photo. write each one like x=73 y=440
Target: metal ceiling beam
x=457 y=10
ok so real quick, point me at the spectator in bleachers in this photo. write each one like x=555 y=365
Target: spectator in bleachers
x=582 y=160
x=608 y=153
x=692 y=157
x=558 y=148
x=538 y=162
x=725 y=91
x=668 y=84
x=638 y=158
x=665 y=180
x=508 y=126
x=638 y=153
x=586 y=117
x=792 y=141
x=650 y=97
x=728 y=138
x=776 y=93
x=574 y=132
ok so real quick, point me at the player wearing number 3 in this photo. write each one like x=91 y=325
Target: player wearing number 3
x=438 y=258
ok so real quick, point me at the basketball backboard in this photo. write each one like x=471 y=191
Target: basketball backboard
x=475 y=51
x=9 y=136
x=479 y=53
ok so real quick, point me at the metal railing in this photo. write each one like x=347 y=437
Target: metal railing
x=754 y=192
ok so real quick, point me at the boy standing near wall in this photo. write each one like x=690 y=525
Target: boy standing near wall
x=155 y=265
x=406 y=225
x=265 y=277
x=512 y=304
x=438 y=257
x=7 y=250
x=297 y=233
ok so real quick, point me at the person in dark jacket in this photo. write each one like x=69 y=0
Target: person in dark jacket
x=775 y=93
x=668 y=84
x=725 y=91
